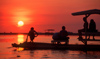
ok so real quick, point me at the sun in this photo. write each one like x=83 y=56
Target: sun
x=20 y=23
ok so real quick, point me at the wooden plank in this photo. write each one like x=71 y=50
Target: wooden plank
x=89 y=40
x=38 y=45
x=59 y=40
x=91 y=33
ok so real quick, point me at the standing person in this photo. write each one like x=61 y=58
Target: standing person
x=85 y=29
x=32 y=33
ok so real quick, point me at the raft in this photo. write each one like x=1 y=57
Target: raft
x=39 y=45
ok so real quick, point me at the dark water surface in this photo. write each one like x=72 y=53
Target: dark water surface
x=9 y=52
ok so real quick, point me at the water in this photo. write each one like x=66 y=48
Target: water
x=9 y=52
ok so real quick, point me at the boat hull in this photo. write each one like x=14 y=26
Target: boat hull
x=36 y=45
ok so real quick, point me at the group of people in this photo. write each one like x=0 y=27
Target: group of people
x=57 y=36
x=62 y=35
x=92 y=26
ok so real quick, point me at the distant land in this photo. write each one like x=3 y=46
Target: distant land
x=46 y=33
x=40 y=33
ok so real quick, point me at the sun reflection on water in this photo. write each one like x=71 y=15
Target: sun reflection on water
x=20 y=39
x=20 y=49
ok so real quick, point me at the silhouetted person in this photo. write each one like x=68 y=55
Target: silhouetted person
x=92 y=27
x=63 y=34
x=32 y=33
x=85 y=29
x=56 y=36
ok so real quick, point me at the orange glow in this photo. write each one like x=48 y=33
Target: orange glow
x=20 y=49
x=43 y=15
x=20 y=39
x=20 y=23
x=21 y=14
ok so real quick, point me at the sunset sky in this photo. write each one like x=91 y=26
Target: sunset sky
x=45 y=14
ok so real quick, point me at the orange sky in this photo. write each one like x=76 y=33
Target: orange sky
x=45 y=14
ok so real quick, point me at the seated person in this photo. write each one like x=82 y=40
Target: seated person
x=62 y=35
x=56 y=36
x=85 y=29
x=32 y=33
x=92 y=27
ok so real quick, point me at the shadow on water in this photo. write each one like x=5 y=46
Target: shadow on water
x=57 y=53
x=12 y=52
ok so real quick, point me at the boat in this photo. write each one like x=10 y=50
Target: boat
x=39 y=45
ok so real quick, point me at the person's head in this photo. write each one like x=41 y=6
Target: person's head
x=63 y=27
x=32 y=28
x=85 y=19
x=91 y=20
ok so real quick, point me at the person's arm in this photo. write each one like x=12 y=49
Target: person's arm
x=36 y=33
x=28 y=33
x=87 y=15
x=66 y=33
x=27 y=37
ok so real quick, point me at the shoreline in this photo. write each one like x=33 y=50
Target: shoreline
x=74 y=34
x=38 y=33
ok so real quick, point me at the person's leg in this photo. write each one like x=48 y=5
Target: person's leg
x=31 y=38
x=80 y=32
x=67 y=38
x=93 y=37
x=89 y=37
x=58 y=43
